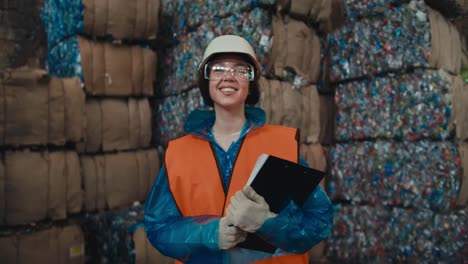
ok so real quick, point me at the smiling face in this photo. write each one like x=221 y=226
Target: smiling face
x=230 y=88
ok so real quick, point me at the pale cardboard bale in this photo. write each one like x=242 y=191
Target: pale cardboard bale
x=115 y=124
x=57 y=186
x=24 y=203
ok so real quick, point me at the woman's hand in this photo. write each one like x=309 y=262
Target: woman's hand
x=229 y=235
x=248 y=210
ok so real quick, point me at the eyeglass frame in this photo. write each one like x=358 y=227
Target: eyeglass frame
x=231 y=70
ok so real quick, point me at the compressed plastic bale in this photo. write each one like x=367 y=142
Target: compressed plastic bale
x=171 y=113
x=399 y=40
x=184 y=16
x=180 y=61
x=421 y=174
x=408 y=106
x=110 y=237
x=380 y=234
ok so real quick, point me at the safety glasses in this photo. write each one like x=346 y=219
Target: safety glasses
x=218 y=71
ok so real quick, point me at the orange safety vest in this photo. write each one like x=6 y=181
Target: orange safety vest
x=196 y=182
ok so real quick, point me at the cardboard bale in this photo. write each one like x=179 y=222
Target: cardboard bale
x=74 y=194
x=56 y=112
x=155 y=165
x=460 y=107
x=92 y=170
x=148 y=169
x=74 y=109
x=462 y=200
x=39 y=110
x=327 y=119
x=93 y=129
x=116 y=69
x=57 y=208
x=121 y=179
x=134 y=123
x=117 y=180
x=328 y=14
x=26 y=107
x=55 y=245
x=23 y=202
x=446 y=49
x=115 y=124
x=55 y=174
x=296 y=48
x=139 y=123
x=294 y=107
x=122 y=19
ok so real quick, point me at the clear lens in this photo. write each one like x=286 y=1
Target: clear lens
x=216 y=71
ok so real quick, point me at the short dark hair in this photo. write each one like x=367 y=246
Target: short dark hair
x=203 y=85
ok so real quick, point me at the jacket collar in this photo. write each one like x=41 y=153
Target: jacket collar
x=199 y=122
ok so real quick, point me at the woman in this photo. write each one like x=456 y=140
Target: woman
x=199 y=208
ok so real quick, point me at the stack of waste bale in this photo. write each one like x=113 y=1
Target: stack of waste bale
x=106 y=46
x=397 y=175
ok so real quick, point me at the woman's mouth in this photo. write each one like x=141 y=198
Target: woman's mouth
x=227 y=90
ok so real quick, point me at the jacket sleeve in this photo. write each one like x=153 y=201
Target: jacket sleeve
x=295 y=229
x=182 y=238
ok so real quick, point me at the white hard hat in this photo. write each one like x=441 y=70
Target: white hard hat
x=230 y=44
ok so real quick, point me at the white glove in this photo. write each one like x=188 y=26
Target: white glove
x=248 y=210
x=229 y=235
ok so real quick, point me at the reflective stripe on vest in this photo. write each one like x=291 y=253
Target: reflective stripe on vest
x=196 y=181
